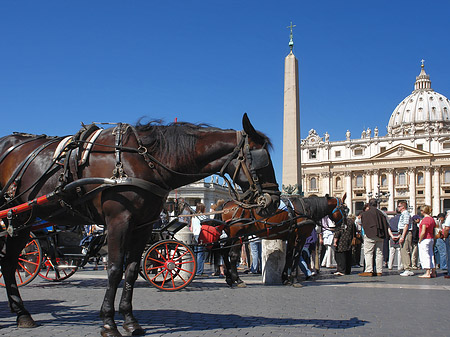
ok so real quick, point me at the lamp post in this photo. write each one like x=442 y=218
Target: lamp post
x=379 y=196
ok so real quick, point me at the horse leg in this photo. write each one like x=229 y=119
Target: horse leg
x=138 y=241
x=9 y=263
x=287 y=270
x=226 y=260
x=235 y=255
x=117 y=230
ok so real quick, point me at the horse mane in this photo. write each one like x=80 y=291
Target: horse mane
x=172 y=142
x=176 y=141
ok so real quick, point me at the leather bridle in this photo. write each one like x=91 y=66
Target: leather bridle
x=249 y=161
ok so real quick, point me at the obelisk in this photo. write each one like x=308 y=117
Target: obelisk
x=292 y=175
x=274 y=251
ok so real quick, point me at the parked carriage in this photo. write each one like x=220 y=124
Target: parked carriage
x=167 y=264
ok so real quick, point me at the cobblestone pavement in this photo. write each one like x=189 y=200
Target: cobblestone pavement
x=390 y=305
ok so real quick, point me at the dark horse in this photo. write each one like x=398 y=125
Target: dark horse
x=293 y=225
x=123 y=184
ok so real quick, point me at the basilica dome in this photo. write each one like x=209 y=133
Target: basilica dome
x=424 y=111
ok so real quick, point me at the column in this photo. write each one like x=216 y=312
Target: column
x=375 y=180
x=428 y=196
x=412 y=189
x=436 y=186
x=391 y=202
x=368 y=183
x=326 y=176
x=348 y=190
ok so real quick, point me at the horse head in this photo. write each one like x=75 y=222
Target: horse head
x=338 y=209
x=252 y=170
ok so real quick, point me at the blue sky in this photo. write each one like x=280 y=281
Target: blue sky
x=66 y=62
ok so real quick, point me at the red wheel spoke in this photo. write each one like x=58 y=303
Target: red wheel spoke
x=186 y=271
x=181 y=256
x=18 y=275
x=165 y=278
x=159 y=253
x=153 y=268
x=175 y=251
x=159 y=261
x=28 y=261
x=162 y=271
x=24 y=269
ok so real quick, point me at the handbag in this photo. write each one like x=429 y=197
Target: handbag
x=437 y=233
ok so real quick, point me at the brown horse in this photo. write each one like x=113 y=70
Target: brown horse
x=293 y=225
x=144 y=162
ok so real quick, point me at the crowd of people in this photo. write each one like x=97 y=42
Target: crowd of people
x=417 y=242
x=370 y=239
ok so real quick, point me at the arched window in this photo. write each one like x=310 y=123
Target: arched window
x=359 y=180
x=420 y=180
x=384 y=181
x=338 y=183
x=313 y=184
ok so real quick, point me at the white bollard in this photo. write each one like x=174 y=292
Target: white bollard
x=273 y=260
x=185 y=235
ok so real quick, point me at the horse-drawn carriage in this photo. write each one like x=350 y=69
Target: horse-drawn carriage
x=119 y=177
x=167 y=264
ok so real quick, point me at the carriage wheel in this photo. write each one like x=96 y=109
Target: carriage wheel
x=57 y=270
x=29 y=263
x=169 y=265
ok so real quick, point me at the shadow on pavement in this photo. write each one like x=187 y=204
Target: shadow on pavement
x=179 y=321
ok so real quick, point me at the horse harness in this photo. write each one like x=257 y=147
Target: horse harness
x=69 y=157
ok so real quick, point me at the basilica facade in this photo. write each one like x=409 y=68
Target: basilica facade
x=411 y=162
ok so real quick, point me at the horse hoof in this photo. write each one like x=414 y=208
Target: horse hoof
x=287 y=283
x=297 y=285
x=25 y=321
x=107 y=331
x=133 y=329
x=241 y=285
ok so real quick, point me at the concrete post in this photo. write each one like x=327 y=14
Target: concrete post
x=273 y=260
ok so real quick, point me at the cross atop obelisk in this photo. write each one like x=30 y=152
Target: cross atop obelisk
x=291 y=36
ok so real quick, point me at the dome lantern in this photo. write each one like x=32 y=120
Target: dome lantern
x=423 y=80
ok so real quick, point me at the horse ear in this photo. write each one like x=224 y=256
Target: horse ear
x=250 y=130
x=344 y=196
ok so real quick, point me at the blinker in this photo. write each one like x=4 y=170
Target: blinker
x=260 y=159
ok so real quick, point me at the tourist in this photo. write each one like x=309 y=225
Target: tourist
x=394 y=246
x=405 y=227
x=446 y=236
x=356 y=250
x=440 y=253
x=415 y=220
x=215 y=250
x=305 y=260
x=376 y=228
x=343 y=244
x=426 y=240
x=196 y=229
x=327 y=237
